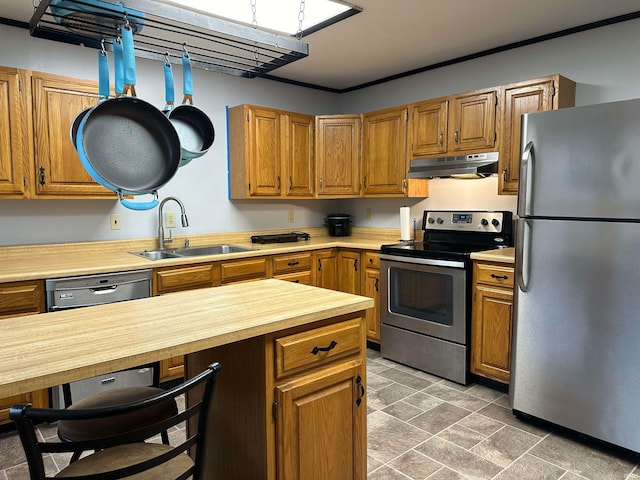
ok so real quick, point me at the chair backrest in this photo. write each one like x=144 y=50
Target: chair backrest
x=199 y=390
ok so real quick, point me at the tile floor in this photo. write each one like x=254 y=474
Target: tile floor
x=423 y=427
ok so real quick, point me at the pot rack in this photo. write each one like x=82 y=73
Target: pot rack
x=162 y=32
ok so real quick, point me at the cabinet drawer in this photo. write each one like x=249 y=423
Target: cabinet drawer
x=296 y=277
x=371 y=259
x=250 y=269
x=173 y=279
x=497 y=275
x=21 y=298
x=317 y=347
x=291 y=263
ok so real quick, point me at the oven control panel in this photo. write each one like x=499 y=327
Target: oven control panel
x=472 y=221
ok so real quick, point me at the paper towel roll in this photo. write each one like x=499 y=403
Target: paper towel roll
x=405 y=223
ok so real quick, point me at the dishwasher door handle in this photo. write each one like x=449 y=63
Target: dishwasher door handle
x=104 y=290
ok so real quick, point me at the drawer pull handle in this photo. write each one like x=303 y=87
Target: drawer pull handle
x=293 y=264
x=331 y=346
x=377 y=283
x=500 y=277
x=107 y=381
x=361 y=390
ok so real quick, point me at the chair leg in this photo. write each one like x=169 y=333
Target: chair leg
x=165 y=437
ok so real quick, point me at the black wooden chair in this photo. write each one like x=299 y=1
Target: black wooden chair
x=76 y=431
x=125 y=454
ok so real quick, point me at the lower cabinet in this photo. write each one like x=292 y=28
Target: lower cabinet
x=491 y=323
x=21 y=298
x=349 y=268
x=326 y=268
x=371 y=288
x=282 y=411
x=293 y=267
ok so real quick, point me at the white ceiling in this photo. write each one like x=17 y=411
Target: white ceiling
x=393 y=37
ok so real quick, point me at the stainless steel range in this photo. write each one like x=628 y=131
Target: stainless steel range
x=425 y=308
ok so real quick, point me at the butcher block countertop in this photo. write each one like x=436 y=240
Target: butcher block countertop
x=36 y=262
x=41 y=351
x=502 y=255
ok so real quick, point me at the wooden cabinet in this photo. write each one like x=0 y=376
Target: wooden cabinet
x=326 y=269
x=12 y=132
x=21 y=298
x=233 y=271
x=491 y=324
x=459 y=123
x=286 y=410
x=57 y=170
x=349 y=271
x=371 y=288
x=537 y=95
x=177 y=279
x=294 y=267
x=338 y=152
x=271 y=153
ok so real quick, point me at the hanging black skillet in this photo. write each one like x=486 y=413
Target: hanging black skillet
x=126 y=144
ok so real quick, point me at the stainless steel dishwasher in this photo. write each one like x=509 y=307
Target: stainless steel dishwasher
x=89 y=290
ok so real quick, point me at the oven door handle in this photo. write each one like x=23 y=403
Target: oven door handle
x=422 y=261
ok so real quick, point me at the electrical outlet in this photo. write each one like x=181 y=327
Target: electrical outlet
x=170 y=220
x=114 y=220
x=290 y=216
x=369 y=213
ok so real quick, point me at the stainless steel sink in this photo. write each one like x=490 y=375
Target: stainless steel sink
x=210 y=250
x=192 y=252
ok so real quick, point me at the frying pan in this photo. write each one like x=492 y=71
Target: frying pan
x=126 y=144
x=194 y=127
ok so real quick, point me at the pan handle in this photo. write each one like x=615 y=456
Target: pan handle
x=103 y=75
x=139 y=205
x=169 y=95
x=118 y=65
x=187 y=79
x=129 y=60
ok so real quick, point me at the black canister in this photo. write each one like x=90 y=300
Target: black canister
x=339 y=224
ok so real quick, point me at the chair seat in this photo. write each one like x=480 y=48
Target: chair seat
x=80 y=430
x=126 y=455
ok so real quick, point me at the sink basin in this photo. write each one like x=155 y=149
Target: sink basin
x=210 y=250
x=192 y=252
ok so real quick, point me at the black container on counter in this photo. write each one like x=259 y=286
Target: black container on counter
x=339 y=224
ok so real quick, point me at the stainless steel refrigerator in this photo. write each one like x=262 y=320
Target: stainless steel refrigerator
x=576 y=335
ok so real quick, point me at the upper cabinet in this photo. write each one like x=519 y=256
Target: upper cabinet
x=537 y=95
x=57 y=171
x=459 y=123
x=12 y=128
x=338 y=147
x=271 y=153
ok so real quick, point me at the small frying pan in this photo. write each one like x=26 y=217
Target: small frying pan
x=126 y=144
x=194 y=127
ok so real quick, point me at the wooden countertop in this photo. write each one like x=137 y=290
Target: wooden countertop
x=41 y=351
x=34 y=262
x=502 y=255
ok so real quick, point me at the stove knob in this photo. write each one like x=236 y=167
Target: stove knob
x=431 y=220
x=484 y=222
x=440 y=221
x=495 y=222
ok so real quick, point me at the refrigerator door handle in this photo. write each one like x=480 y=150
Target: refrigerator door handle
x=526 y=180
x=523 y=254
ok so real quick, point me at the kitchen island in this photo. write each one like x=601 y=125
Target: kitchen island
x=263 y=333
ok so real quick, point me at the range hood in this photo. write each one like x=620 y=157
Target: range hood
x=477 y=164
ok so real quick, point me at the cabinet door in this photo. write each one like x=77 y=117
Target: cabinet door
x=327 y=269
x=473 y=122
x=491 y=333
x=536 y=95
x=299 y=155
x=384 y=152
x=56 y=102
x=349 y=271
x=321 y=425
x=12 y=153
x=429 y=128
x=371 y=288
x=338 y=155
x=264 y=152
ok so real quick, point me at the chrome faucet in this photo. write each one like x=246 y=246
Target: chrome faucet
x=183 y=217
